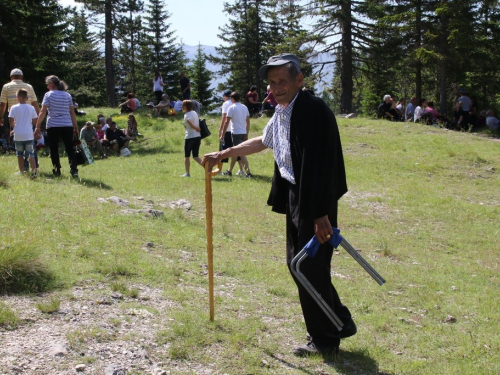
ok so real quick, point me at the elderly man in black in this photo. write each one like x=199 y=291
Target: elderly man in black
x=309 y=179
x=385 y=109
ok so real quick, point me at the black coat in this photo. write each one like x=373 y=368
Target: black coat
x=317 y=161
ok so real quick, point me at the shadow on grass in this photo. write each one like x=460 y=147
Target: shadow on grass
x=88 y=182
x=349 y=363
x=292 y=365
x=255 y=177
x=355 y=362
x=155 y=150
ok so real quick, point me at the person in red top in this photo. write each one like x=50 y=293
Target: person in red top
x=130 y=105
x=252 y=101
x=435 y=114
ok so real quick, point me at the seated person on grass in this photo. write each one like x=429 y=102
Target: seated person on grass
x=178 y=105
x=101 y=120
x=100 y=135
x=252 y=101
x=116 y=138
x=491 y=121
x=130 y=105
x=434 y=112
x=400 y=107
x=269 y=102
x=107 y=125
x=385 y=109
x=89 y=134
x=163 y=106
x=131 y=130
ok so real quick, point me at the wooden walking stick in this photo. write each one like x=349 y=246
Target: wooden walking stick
x=210 y=232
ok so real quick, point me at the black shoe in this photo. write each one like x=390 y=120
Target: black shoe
x=74 y=173
x=312 y=349
x=56 y=172
x=227 y=173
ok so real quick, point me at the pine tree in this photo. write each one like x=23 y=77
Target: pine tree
x=243 y=54
x=284 y=33
x=441 y=37
x=484 y=77
x=160 y=50
x=84 y=63
x=31 y=38
x=348 y=20
x=128 y=34
x=111 y=10
x=201 y=78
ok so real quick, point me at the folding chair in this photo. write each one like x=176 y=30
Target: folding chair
x=310 y=250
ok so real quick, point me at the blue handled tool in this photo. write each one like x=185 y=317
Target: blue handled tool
x=310 y=250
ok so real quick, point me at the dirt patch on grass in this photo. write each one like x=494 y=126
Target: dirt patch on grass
x=369 y=203
x=94 y=326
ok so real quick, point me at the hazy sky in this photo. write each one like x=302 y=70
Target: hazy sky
x=195 y=21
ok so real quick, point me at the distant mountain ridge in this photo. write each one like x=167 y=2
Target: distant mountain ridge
x=191 y=52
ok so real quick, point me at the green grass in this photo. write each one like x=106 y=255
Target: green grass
x=79 y=336
x=422 y=208
x=8 y=318
x=49 y=307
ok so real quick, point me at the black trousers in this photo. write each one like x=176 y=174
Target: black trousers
x=158 y=94
x=5 y=129
x=318 y=271
x=65 y=133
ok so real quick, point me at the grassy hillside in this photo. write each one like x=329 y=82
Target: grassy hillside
x=422 y=207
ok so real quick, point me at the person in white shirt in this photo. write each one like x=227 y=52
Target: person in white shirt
x=22 y=118
x=238 y=119
x=158 y=86
x=225 y=138
x=192 y=139
x=400 y=107
x=419 y=111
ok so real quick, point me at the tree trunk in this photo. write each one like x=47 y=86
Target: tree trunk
x=108 y=55
x=443 y=48
x=346 y=59
x=418 y=44
x=132 y=51
x=257 y=50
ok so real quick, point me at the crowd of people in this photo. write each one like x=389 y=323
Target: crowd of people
x=466 y=114
x=21 y=123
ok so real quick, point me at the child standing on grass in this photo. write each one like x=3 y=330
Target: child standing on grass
x=22 y=118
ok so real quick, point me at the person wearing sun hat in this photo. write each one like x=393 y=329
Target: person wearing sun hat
x=8 y=98
x=89 y=134
x=309 y=179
